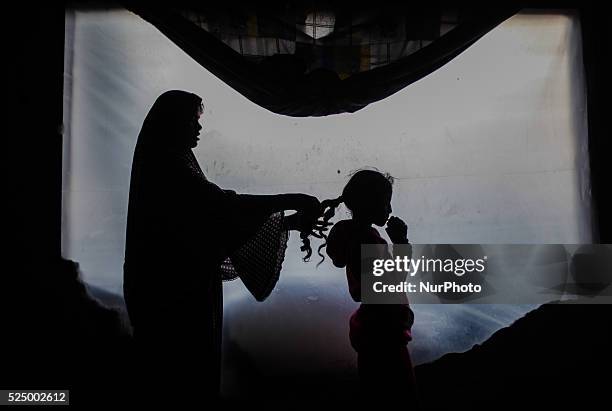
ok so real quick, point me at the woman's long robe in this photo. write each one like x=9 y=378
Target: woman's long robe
x=184 y=236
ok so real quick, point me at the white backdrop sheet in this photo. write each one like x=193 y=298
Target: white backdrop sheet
x=491 y=148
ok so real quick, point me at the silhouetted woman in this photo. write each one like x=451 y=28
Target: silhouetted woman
x=184 y=236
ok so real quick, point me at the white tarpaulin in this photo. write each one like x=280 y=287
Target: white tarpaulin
x=491 y=148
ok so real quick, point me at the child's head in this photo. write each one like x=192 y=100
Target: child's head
x=368 y=196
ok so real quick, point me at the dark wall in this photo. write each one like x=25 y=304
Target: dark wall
x=35 y=49
x=55 y=336
x=596 y=49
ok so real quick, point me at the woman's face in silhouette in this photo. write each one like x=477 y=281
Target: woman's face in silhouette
x=193 y=128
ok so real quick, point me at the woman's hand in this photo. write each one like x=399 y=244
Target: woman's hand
x=397 y=230
x=306 y=224
x=308 y=205
x=292 y=222
x=309 y=210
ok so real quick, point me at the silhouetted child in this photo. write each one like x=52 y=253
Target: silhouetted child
x=378 y=332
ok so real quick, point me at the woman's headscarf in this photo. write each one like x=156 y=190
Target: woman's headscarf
x=168 y=119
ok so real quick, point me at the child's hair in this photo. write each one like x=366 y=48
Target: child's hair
x=364 y=186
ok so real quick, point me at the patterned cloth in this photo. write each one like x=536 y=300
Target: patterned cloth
x=259 y=261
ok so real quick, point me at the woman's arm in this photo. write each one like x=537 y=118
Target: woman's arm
x=268 y=204
x=207 y=193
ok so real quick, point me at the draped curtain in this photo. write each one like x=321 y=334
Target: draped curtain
x=315 y=59
x=306 y=58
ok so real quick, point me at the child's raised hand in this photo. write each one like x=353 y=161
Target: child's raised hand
x=397 y=230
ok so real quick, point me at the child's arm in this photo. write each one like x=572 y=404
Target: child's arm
x=397 y=230
x=356 y=261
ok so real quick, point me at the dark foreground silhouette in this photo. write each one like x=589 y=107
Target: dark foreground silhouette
x=557 y=356
x=58 y=336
